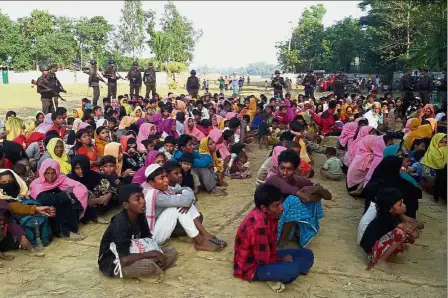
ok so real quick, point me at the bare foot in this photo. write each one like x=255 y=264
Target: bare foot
x=208 y=246
x=218 y=192
x=75 y=237
x=101 y=220
x=382 y=266
x=276 y=286
x=6 y=257
x=36 y=253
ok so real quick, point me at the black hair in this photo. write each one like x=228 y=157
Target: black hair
x=289 y=156
x=187 y=157
x=286 y=136
x=417 y=142
x=183 y=140
x=206 y=123
x=170 y=166
x=196 y=113
x=19 y=169
x=227 y=134
x=61 y=110
x=153 y=137
x=113 y=120
x=237 y=148
x=234 y=123
x=332 y=104
x=330 y=151
x=99 y=129
x=266 y=194
x=419 y=154
x=146 y=143
x=169 y=140
x=154 y=174
x=363 y=122
x=158 y=145
x=96 y=108
x=87 y=113
x=297 y=126
x=79 y=133
x=108 y=159
x=387 y=138
x=106 y=99
x=125 y=191
x=247 y=118
x=199 y=102
x=180 y=116
x=385 y=199
x=55 y=115
x=70 y=120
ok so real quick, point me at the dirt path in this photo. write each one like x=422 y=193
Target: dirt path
x=70 y=269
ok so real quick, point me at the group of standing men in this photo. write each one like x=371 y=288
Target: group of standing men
x=49 y=87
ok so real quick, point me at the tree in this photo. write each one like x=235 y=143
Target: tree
x=287 y=58
x=132 y=27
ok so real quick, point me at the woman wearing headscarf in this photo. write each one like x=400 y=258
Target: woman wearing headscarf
x=191 y=130
x=146 y=130
x=168 y=125
x=378 y=150
x=101 y=139
x=132 y=159
x=138 y=113
x=179 y=106
x=434 y=160
x=217 y=136
x=56 y=150
x=362 y=133
x=302 y=208
x=153 y=157
x=100 y=191
x=208 y=146
x=218 y=122
x=13 y=152
x=69 y=197
x=417 y=131
x=45 y=126
x=252 y=107
x=114 y=149
x=426 y=112
x=126 y=108
x=78 y=113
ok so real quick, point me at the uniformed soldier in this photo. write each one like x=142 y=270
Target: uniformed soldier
x=193 y=84
x=425 y=87
x=45 y=90
x=149 y=78
x=339 y=84
x=442 y=88
x=407 y=89
x=111 y=74
x=309 y=81
x=135 y=80
x=94 y=82
x=278 y=83
x=55 y=84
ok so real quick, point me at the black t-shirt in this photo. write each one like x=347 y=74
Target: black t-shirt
x=121 y=232
x=263 y=129
x=377 y=228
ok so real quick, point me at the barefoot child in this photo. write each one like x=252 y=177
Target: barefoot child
x=256 y=256
x=386 y=234
x=332 y=168
x=116 y=257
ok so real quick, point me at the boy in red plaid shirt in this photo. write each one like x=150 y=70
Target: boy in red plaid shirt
x=256 y=256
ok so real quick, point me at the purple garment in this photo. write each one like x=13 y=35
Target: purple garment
x=166 y=125
x=156 y=119
x=139 y=176
x=140 y=122
x=13 y=228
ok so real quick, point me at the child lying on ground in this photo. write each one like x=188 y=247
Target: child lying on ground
x=332 y=168
x=127 y=231
x=386 y=234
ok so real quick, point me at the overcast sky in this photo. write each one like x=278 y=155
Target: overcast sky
x=235 y=33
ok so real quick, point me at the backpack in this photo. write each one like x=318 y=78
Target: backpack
x=36 y=227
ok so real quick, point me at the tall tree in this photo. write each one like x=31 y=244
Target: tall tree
x=132 y=27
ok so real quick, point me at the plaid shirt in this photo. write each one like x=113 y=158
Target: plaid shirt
x=255 y=244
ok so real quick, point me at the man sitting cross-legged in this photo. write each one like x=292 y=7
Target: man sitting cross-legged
x=256 y=257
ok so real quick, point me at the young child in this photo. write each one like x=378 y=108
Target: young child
x=281 y=116
x=385 y=235
x=256 y=255
x=169 y=145
x=274 y=132
x=418 y=144
x=124 y=235
x=332 y=168
x=189 y=178
x=240 y=166
x=416 y=169
x=263 y=132
x=85 y=147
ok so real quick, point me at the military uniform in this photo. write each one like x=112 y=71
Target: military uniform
x=309 y=81
x=339 y=85
x=56 y=86
x=442 y=89
x=424 y=88
x=111 y=74
x=45 y=90
x=135 y=80
x=94 y=82
x=278 y=83
x=149 y=78
x=193 y=85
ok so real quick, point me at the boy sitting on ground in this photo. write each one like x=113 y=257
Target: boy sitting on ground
x=125 y=229
x=256 y=256
x=189 y=178
x=332 y=168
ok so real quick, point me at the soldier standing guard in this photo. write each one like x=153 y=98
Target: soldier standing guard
x=45 y=91
x=407 y=89
x=278 y=83
x=55 y=84
x=149 y=78
x=309 y=81
x=425 y=87
x=339 y=84
x=135 y=80
x=111 y=74
x=94 y=82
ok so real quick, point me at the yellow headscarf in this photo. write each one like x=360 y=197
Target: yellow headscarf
x=252 y=108
x=79 y=112
x=63 y=162
x=126 y=106
x=423 y=131
x=22 y=185
x=113 y=149
x=133 y=114
x=435 y=157
x=14 y=127
x=126 y=122
x=100 y=144
x=217 y=162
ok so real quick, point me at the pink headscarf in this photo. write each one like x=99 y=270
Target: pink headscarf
x=62 y=182
x=357 y=170
x=219 y=119
x=195 y=132
x=378 y=150
x=83 y=125
x=146 y=130
x=275 y=153
x=231 y=115
x=46 y=125
x=347 y=134
x=139 y=176
x=216 y=134
x=363 y=132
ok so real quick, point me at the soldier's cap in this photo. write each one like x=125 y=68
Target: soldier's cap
x=150 y=64
x=92 y=62
x=135 y=63
x=111 y=61
x=53 y=66
x=277 y=72
x=193 y=72
x=44 y=67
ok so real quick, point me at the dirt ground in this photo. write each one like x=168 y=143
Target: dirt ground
x=70 y=269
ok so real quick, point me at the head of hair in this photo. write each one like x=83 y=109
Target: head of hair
x=227 y=134
x=169 y=140
x=170 y=166
x=125 y=192
x=180 y=116
x=330 y=151
x=247 y=118
x=234 y=123
x=107 y=159
x=237 y=148
x=418 y=155
x=205 y=123
x=332 y=104
x=387 y=138
x=266 y=194
x=289 y=156
x=19 y=169
x=386 y=198
x=158 y=145
x=100 y=129
x=61 y=110
x=297 y=126
x=183 y=140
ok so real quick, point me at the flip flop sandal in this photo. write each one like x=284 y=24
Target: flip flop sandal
x=219 y=242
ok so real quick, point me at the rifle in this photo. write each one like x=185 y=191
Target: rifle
x=34 y=82
x=87 y=72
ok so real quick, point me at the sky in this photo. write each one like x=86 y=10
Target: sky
x=235 y=33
